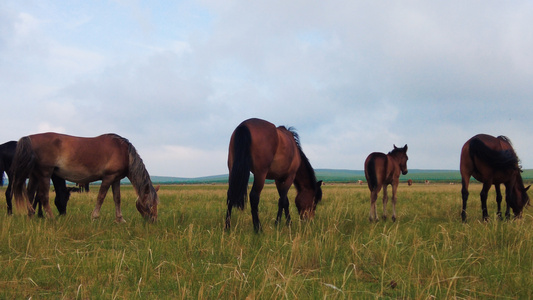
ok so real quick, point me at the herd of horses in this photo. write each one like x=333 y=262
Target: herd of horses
x=256 y=146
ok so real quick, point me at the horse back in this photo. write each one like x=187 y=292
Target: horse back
x=81 y=159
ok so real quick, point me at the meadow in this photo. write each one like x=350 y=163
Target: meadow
x=427 y=253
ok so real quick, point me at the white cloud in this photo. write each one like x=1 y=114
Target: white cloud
x=352 y=77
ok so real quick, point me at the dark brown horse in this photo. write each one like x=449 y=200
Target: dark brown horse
x=108 y=158
x=381 y=170
x=268 y=152
x=492 y=160
x=7 y=152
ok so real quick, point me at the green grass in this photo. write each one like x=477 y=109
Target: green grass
x=428 y=252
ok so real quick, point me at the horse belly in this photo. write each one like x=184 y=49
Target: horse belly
x=77 y=172
x=77 y=175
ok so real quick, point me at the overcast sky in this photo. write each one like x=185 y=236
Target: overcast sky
x=353 y=77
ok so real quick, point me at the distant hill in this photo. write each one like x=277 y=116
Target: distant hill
x=333 y=175
x=329 y=175
x=338 y=175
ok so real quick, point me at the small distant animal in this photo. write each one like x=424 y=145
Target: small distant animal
x=360 y=182
x=84 y=187
x=409 y=182
x=381 y=170
x=426 y=182
x=72 y=189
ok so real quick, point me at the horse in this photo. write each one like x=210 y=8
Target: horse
x=268 y=152
x=83 y=187
x=493 y=161
x=409 y=182
x=7 y=152
x=381 y=170
x=108 y=158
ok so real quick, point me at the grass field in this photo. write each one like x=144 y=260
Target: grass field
x=427 y=253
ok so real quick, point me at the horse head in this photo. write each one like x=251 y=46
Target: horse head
x=402 y=158
x=307 y=199
x=518 y=196
x=147 y=205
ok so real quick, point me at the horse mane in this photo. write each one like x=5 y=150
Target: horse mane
x=499 y=160
x=137 y=173
x=305 y=165
x=396 y=150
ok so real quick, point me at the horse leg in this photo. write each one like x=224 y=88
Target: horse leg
x=394 y=200
x=9 y=197
x=385 y=201
x=464 y=192
x=283 y=203
x=104 y=187
x=499 y=200
x=228 y=217
x=115 y=187
x=43 y=194
x=373 y=198
x=255 y=193
x=483 y=195
x=32 y=196
x=508 y=211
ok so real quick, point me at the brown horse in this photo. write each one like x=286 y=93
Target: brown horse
x=7 y=152
x=492 y=160
x=108 y=158
x=381 y=170
x=270 y=153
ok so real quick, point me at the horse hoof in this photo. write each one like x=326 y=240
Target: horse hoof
x=393 y=219
x=120 y=220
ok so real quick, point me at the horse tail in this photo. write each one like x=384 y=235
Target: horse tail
x=23 y=164
x=372 y=176
x=498 y=160
x=240 y=170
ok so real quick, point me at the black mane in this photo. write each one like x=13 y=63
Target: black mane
x=305 y=164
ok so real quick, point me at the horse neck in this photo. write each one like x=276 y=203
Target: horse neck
x=138 y=175
x=305 y=177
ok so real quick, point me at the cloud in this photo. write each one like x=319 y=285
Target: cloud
x=353 y=77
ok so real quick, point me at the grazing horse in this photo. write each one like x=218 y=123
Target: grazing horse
x=108 y=158
x=381 y=170
x=270 y=153
x=492 y=160
x=7 y=152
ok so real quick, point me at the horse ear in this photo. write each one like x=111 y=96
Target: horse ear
x=157 y=188
x=394 y=146
x=527 y=188
x=319 y=183
x=405 y=147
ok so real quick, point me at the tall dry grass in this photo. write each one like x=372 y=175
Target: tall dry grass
x=427 y=253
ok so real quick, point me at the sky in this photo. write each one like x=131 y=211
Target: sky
x=353 y=77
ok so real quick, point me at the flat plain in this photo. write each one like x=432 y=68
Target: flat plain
x=427 y=253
